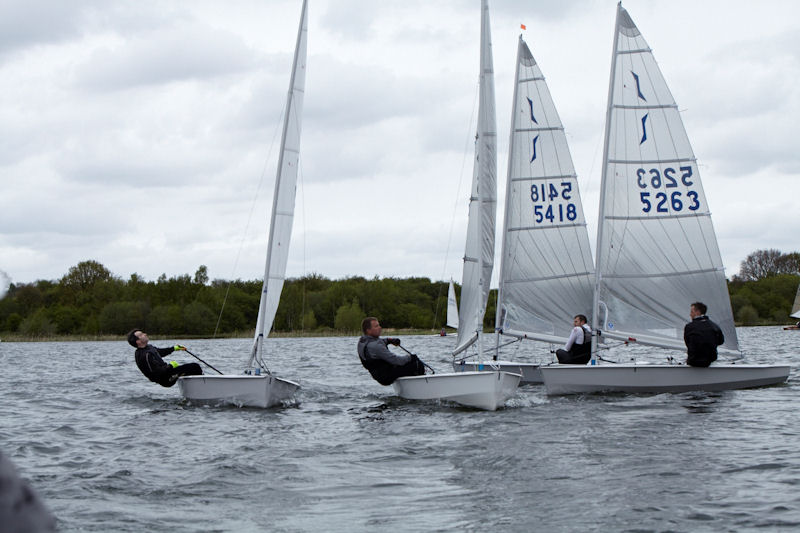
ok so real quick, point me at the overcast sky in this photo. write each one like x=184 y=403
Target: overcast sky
x=144 y=134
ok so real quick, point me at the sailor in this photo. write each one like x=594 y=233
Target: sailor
x=702 y=336
x=578 y=350
x=384 y=365
x=150 y=361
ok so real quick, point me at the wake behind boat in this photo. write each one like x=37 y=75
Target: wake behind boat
x=656 y=247
x=257 y=387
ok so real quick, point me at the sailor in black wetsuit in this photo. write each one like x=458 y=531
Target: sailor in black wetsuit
x=578 y=350
x=702 y=336
x=384 y=365
x=150 y=361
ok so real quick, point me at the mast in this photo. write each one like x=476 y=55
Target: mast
x=601 y=212
x=498 y=320
x=281 y=220
x=479 y=249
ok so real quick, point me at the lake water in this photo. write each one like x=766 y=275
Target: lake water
x=109 y=451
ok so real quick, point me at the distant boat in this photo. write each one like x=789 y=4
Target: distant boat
x=452 y=307
x=795 y=310
x=656 y=248
x=257 y=386
x=546 y=267
x=485 y=390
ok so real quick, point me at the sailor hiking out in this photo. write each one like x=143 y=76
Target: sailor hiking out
x=384 y=365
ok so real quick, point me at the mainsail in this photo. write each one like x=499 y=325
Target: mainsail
x=656 y=248
x=280 y=231
x=452 y=307
x=546 y=273
x=796 y=305
x=479 y=249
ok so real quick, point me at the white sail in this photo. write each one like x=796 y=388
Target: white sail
x=479 y=249
x=546 y=272
x=452 y=307
x=280 y=231
x=254 y=388
x=656 y=248
x=796 y=305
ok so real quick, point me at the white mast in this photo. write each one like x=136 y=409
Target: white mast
x=479 y=249
x=282 y=217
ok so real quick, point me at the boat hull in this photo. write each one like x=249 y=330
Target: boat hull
x=643 y=378
x=484 y=390
x=530 y=372
x=240 y=390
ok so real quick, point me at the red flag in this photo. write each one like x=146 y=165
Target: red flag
x=523 y=26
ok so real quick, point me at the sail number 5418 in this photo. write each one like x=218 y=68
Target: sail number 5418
x=661 y=201
x=544 y=195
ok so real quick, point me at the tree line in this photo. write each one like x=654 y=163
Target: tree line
x=90 y=301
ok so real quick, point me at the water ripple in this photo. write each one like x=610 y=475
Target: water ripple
x=112 y=451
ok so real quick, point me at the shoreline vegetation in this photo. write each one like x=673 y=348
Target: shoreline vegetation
x=15 y=337
x=90 y=303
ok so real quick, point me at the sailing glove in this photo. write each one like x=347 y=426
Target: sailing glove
x=178 y=347
x=396 y=342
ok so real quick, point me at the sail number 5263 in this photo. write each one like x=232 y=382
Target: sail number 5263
x=660 y=202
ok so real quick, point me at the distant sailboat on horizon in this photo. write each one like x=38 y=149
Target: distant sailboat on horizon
x=795 y=313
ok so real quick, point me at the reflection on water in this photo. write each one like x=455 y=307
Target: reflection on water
x=108 y=450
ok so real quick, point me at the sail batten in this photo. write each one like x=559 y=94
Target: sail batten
x=657 y=252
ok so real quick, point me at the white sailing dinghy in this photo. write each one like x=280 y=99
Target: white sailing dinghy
x=546 y=268
x=795 y=309
x=656 y=248
x=257 y=386
x=485 y=390
x=452 y=307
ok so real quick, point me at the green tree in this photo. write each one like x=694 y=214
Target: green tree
x=348 y=317
x=309 y=321
x=38 y=325
x=748 y=316
x=68 y=319
x=13 y=322
x=201 y=276
x=119 y=317
x=198 y=319
x=165 y=319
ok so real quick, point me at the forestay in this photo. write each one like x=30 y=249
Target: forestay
x=546 y=273
x=479 y=249
x=657 y=251
x=284 y=196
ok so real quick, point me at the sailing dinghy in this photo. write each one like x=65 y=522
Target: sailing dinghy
x=452 y=307
x=484 y=390
x=656 y=248
x=546 y=268
x=257 y=386
x=795 y=310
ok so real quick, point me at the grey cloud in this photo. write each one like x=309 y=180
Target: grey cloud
x=184 y=53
